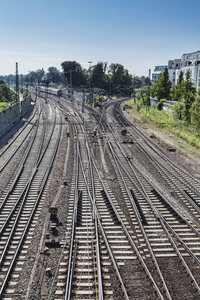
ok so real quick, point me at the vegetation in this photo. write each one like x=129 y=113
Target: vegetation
x=6 y=94
x=184 y=119
x=161 y=90
x=113 y=78
x=165 y=120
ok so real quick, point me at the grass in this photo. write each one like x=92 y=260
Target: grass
x=166 y=122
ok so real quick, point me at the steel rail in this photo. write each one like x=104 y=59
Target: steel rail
x=145 y=194
x=124 y=227
x=128 y=235
x=68 y=288
x=69 y=277
x=104 y=235
x=141 y=226
x=5 y=282
x=131 y=166
x=99 y=271
x=130 y=239
x=165 y=169
x=25 y=190
x=160 y=153
x=97 y=221
x=163 y=220
x=23 y=196
x=20 y=169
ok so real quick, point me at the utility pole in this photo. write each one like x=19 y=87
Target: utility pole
x=149 y=95
x=70 y=84
x=17 y=83
x=89 y=70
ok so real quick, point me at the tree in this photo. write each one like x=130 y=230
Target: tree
x=34 y=77
x=195 y=113
x=98 y=79
x=143 y=95
x=163 y=85
x=188 y=93
x=6 y=94
x=53 y=75
x=119 y=79
x=176 y=93
x=74 y=69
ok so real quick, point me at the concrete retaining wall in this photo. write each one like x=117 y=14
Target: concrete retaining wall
x=26 y=107
x=166 y=105
x=11 y=117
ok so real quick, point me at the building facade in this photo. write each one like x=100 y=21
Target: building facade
x=188 y=61
x=157 y=71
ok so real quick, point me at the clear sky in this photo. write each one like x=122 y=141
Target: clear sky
x=138 y=34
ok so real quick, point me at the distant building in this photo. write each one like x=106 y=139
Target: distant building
x=156 y=73
x=191 y=61
x=172 y=66
x=188 y=61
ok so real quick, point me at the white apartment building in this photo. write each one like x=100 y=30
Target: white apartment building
x=188 y=61
x=191 y=61
x=172 y=66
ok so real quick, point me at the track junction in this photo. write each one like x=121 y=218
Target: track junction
x=92 y=208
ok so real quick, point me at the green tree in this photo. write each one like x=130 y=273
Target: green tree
x=6 y=94
x=163 y=85
x=143 y=95
x=176 y=93
x=189 y=93
x=74 y=69
x=98 y=76
x=195 y=113
x=153 y=90
x=53 y=75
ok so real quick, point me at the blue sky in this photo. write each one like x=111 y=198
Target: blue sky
x=138 y=34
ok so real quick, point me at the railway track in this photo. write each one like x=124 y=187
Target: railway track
x=21 y=204
x=118 y=242
x=127 y=236
x=186 y=234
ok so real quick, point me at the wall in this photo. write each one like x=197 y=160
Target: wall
x=11 y=116
x=166 y=105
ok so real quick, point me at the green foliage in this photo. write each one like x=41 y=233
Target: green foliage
x=166 y=121
x=153 y=90
x=176 y=93
x=78 y=75
x=34 y=77
x=163 y=86
x=195 y=113
x=178 y=110
x=53 y=76
x=6 y=94
x=119 y=75
x=188 y=93
x=98 y=75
